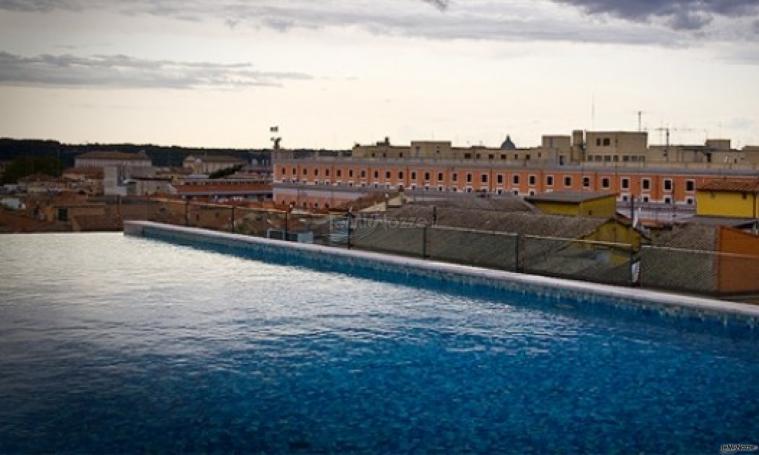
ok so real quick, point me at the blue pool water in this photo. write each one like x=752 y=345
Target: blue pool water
x=116 y=344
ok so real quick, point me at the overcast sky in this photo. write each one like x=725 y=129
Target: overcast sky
x=334 y=72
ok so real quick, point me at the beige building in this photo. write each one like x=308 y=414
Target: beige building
x=616 y=148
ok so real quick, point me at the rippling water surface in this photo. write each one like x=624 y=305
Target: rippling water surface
x=114 y=344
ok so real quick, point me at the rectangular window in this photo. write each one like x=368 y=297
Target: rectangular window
x=532 y=179
x=549 y=180
x=350 y=173
x=387 y=174
x=440 y=177
x=500 y=179
x=515 y=179
x=413 y=175
x=469 y=178
x=376 y=174
x=400 y=174
x=586 y=182
x=667 y=184
x=625 y=183
x=568 y=181
x=645 y=184
x=605 y=183
x=455 y=177
x=690 y=186
x=484 y=178
x=426 y=176
x=339 y=173
x=363 y=174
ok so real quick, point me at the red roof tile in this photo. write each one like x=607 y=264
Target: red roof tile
x=738 y=185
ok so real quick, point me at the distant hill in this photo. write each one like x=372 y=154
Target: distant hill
x=161 y=155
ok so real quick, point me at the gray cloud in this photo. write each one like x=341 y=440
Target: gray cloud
x=439 y=4
x=679 y=14
x=659 y=22
x=127 y=72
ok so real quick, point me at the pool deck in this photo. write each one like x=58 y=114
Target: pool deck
x=670 y=301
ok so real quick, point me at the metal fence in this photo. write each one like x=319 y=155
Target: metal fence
x=690 y=271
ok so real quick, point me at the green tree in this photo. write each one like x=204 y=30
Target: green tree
x=23 y=166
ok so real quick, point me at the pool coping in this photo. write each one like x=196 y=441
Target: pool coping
x=666 y=300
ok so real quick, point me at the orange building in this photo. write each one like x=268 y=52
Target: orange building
x=329 y=182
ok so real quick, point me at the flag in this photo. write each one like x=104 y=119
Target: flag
x=274 y=129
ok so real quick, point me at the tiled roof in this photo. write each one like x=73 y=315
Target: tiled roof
x=505 y=203
x=124 y=156
x=574 y=197
x=721 y=221
x=512 y=222
x=691 y=236
x=225 y=188
x=740 y=185
x=91 y=172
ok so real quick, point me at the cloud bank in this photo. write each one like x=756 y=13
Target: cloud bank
x=679 y=14
x=656 y=22
x=120 y=71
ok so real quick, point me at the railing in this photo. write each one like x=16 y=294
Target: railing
x=690 y=271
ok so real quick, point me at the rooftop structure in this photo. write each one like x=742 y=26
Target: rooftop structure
x=576 y=203
x=731 y=198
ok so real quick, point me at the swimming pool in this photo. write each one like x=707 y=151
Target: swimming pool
x=120 y=344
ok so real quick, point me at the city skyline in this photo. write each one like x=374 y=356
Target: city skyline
x=336 y=73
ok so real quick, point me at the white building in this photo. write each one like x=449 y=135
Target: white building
x=209 y=164
x=117 y=159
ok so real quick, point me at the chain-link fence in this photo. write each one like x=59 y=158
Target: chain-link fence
x=497 y=250
x=587 y=260
x=704 y=272
x=692 y=271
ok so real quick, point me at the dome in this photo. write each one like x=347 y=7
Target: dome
x=508 y=144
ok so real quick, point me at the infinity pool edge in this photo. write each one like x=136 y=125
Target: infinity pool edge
x=669 y=303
